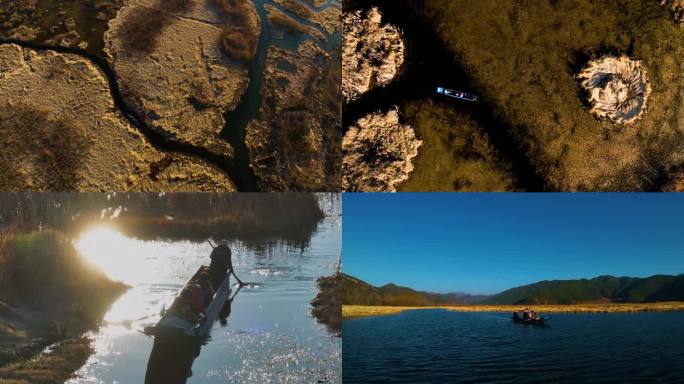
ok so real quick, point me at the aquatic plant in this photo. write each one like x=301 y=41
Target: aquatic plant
x=372 y=53
x=240 y=36
x=54 y=367
x=326 y=307
x=378 y=153
x=617 y=88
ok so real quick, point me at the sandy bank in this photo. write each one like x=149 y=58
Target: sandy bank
x=350 y=311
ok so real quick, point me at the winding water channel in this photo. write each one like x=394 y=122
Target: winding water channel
x=237 y=167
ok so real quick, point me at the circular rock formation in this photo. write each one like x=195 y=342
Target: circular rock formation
x=676 y=7
x=617 y=87
x=378 y=153
x=372 y=53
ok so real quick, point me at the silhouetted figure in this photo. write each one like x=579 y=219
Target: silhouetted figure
x=222 y=264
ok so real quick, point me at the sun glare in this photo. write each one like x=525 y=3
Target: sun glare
x=112 y=252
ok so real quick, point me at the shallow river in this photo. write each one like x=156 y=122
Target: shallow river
x=269 y=336
x=446 y=347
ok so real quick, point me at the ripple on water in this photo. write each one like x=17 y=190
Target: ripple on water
x=443 y=346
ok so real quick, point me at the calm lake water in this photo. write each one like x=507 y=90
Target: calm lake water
x=445 y=347
x=269 y=336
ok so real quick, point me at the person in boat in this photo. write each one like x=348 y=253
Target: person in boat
x=526 y=314
x=206 y=289
x=188 y=307
x=222 y=264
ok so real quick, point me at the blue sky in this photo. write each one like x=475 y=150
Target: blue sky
x=485 y=243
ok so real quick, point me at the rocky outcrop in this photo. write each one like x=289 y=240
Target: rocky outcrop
x=676 y=7
x=617 y=88
x=60 y=130
x=170 y=65
x=378 y=153
x=295 y=144
x=372 y=53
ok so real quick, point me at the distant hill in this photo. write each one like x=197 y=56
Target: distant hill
x=600 y=289
x=357 y=292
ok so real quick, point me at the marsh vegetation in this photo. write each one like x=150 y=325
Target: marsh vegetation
x=527 y=78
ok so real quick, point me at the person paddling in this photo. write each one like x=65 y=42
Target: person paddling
x=222 y=264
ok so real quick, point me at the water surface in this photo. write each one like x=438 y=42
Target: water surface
x=269 y=336
x=446 y=347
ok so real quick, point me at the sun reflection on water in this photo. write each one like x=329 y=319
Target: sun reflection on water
x=115 y=254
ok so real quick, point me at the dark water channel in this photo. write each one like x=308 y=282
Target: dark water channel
x=439 y=346
x=237 y=120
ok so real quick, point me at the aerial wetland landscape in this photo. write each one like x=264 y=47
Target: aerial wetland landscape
x=456 y=95
x=170 y=95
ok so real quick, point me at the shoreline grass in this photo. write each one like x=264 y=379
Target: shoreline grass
x=353 y=311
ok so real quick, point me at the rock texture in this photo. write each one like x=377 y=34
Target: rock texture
x=372 y=53
x=295 y=145
x=677 y=9
x=60 y=130
x=618 y=88
x=378 y=153
x=173 y=71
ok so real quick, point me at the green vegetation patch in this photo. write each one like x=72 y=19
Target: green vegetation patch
x=523 y=56
x=456 y=154
x=43 y=270
x=53 y=367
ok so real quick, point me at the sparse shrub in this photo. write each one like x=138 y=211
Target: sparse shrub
x=240 y=36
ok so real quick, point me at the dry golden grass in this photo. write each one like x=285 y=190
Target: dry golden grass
x=350 y=311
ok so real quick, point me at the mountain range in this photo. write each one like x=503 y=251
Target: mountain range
x=600 y=289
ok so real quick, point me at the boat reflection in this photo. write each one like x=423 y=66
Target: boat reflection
x=174 y=353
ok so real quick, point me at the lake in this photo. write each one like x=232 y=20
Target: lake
x=269 y=335
x=445 y=347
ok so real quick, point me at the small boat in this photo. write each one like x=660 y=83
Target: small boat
x=540 y=321
x=170 y=323
x=456 y=94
